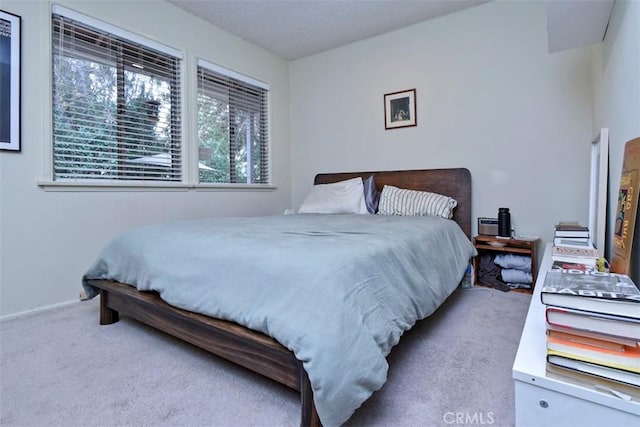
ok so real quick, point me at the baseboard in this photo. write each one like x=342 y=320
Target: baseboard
x=38 y=310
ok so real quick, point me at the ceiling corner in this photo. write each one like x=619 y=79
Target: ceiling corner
x=576 y=23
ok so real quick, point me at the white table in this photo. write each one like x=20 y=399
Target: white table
x=545 y=401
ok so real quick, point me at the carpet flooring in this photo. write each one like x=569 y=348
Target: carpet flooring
x=57 y=369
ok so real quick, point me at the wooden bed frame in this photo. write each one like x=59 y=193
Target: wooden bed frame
x=251 y=349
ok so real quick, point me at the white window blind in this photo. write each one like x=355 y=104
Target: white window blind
x=116 y=105
x=233 y=130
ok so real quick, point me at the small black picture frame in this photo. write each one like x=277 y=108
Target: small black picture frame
x=400 y=109
x=10 y=56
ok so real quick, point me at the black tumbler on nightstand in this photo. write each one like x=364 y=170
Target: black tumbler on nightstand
x=504 y=222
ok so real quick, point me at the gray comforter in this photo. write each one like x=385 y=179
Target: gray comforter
x=337 y=290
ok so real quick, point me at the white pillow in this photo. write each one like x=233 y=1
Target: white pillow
x=338 y=197
x=399 y=201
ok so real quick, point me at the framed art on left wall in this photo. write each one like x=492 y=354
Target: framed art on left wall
x=9 y=81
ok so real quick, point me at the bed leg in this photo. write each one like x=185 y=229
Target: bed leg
x=107 y=315
x=309 y=415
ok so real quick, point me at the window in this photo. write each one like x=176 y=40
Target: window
x=116 y=103
x=232 y=127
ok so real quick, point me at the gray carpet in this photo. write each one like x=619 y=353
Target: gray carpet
x=56 y=369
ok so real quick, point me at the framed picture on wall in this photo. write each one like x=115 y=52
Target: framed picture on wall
x=400 y=109
x=9 y=81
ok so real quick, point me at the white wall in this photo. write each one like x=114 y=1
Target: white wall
x=618 y=106
x=489 y=98
x=49 y=239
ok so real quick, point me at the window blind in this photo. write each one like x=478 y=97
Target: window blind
x=116 y=106
x=233 y=128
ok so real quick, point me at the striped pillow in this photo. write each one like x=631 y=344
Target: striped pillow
x=399 y=201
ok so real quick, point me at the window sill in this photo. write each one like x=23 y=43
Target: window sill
x=90 y=186
x=233 y=187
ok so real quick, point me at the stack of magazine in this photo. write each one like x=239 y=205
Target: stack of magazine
x=572 y=247
x=593 y=330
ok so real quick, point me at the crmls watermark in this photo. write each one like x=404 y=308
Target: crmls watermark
x=467 y=418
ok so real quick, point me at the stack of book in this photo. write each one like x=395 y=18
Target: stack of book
x=573 y=248
x=593 y=330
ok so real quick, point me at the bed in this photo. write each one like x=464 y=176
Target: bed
x=249 y=342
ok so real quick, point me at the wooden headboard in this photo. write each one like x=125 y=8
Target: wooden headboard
x=454 y=183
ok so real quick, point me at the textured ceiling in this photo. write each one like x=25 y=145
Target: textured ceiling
x=293 y=29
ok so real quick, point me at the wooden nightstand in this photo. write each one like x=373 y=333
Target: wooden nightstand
x=520 y=246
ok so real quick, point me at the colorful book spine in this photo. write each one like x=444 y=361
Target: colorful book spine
x=628 y=358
